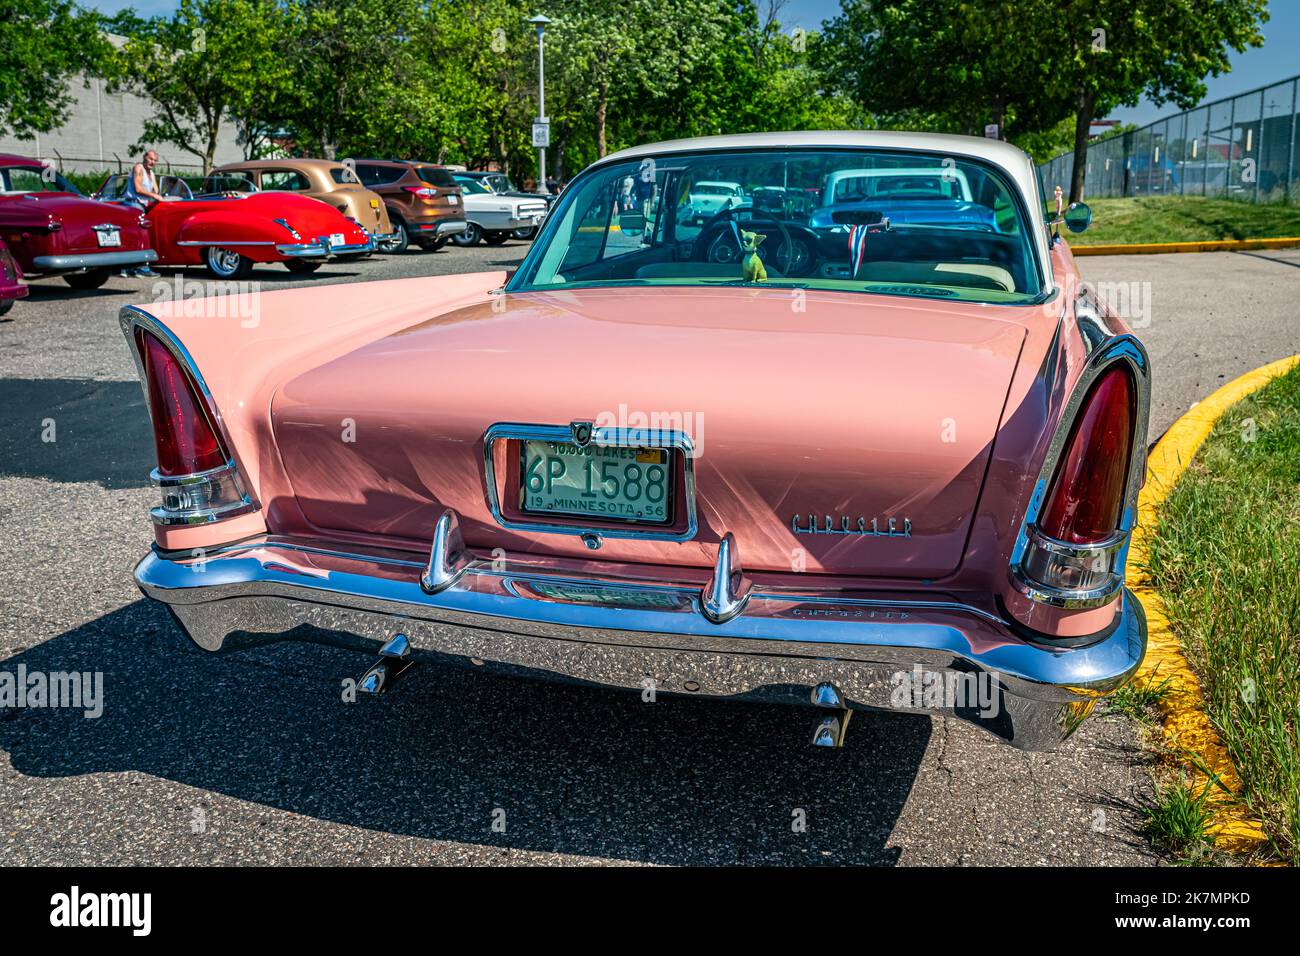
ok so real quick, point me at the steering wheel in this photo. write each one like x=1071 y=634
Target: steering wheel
x=728 y=236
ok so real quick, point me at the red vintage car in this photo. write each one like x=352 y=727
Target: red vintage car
x=11 y=285
x=231 y=230
x=52 y=229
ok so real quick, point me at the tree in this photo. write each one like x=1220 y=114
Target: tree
x=45 y=43
x=764 y=79
x=593 y=43
x=209 y=63
x=345 y=58
x=1110 y=53
x=949 y=65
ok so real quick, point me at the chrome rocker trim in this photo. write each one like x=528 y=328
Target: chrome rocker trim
x=222 y=244
x=776 y=646
x=93 y=260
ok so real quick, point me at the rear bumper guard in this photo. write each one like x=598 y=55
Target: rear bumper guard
x=321 y=248
x=764 y=645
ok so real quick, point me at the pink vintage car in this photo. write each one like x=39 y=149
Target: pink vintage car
x=906 y=481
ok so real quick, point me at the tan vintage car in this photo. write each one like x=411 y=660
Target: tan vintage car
x=330 y=182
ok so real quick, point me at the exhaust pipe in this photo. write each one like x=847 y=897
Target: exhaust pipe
x=830 y=730
x=394 y=661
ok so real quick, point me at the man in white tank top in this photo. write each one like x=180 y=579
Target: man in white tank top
x=142 y=187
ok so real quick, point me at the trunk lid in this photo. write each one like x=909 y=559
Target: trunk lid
x=362 y=205
x=80 y=216
x=820 y=404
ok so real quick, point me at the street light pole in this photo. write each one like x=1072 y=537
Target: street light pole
x=540 y=23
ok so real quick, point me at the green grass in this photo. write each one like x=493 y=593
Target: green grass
x=1177 y=819
x=1172 y=219
x=1139 y=699
x=1225 y=557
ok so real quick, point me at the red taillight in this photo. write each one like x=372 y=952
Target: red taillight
x=1087 y=492
x=186 y=441
x=422 y=191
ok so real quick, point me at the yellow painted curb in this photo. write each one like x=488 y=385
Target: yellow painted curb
x=1186 y=725
x=1154 y=248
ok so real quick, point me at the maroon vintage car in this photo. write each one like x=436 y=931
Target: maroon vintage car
x=11 y=286
x=52 y=229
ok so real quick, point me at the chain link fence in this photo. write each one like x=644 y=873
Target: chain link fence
x=1243 y=147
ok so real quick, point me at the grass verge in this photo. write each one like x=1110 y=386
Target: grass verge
x=1178 y=819
x=1174 y=219
x=1225 y=558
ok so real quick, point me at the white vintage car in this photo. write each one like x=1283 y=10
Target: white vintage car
x=708 y=198
x=494 y=216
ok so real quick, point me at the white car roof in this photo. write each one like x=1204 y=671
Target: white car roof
x=1013 y=161
x=716 y=182
x=837 y=177
x=881 y=171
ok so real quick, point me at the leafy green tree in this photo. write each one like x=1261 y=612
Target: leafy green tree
x=1027 y=65
x=496 y=96
x=45 y=44
x=1110 y=53
x=764 y=78
x=946 y=65
x=345 y=58
x=594 y=51
x=210 y=64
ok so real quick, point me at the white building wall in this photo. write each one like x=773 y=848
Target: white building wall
x=100 y=131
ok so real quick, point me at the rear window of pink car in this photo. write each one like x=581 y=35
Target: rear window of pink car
x=942 y=226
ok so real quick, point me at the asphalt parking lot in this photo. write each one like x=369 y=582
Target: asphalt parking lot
x=253 y=758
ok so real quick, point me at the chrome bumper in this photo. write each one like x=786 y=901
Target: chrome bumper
x=321 y=248
x=93 y=260
x=508 y=223
x=443 y=227
x=636 y=634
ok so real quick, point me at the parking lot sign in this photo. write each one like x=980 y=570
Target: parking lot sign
x=541 y=133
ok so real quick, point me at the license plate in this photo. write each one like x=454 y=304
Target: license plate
x=336 y=239
x=108 y=237
x=596 y=481
x=453 y=200
x=374 y=204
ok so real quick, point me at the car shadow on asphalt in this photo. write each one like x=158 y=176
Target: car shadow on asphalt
x=455 y=754
x=72 y=430
x=58 y=292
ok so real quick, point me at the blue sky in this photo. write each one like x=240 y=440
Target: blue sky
x=1275 y=60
